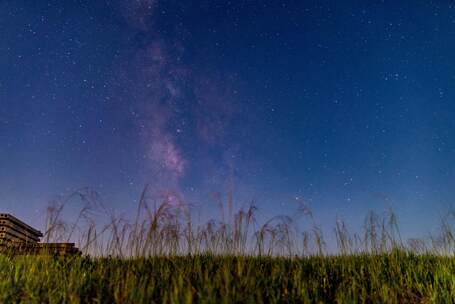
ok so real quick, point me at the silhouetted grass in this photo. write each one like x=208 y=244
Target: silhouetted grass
x=164 y=256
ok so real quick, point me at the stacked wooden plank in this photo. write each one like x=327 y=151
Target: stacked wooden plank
x=18 y=237
x=57 y=248
x=14 y=230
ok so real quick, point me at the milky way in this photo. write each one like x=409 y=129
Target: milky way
x=166 y=98
x=345 y=106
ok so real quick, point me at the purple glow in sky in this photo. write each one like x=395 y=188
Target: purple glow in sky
x=346 y=106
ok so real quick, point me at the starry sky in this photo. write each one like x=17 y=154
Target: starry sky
x=347 y=106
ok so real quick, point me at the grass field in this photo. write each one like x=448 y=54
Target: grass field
x=396 y=277
x=162 y=256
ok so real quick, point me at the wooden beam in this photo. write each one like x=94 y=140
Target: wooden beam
x=7 y=225
x=6 y=216
x=16 y=234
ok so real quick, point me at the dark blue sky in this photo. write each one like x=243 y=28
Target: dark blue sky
x=345 y=105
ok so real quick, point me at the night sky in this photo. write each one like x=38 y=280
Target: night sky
x=347 y=106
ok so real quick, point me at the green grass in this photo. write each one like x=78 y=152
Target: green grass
x=164 y=256
x=397 y=277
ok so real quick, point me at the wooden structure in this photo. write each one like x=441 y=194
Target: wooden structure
x=18 y=237
x=13 y=229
